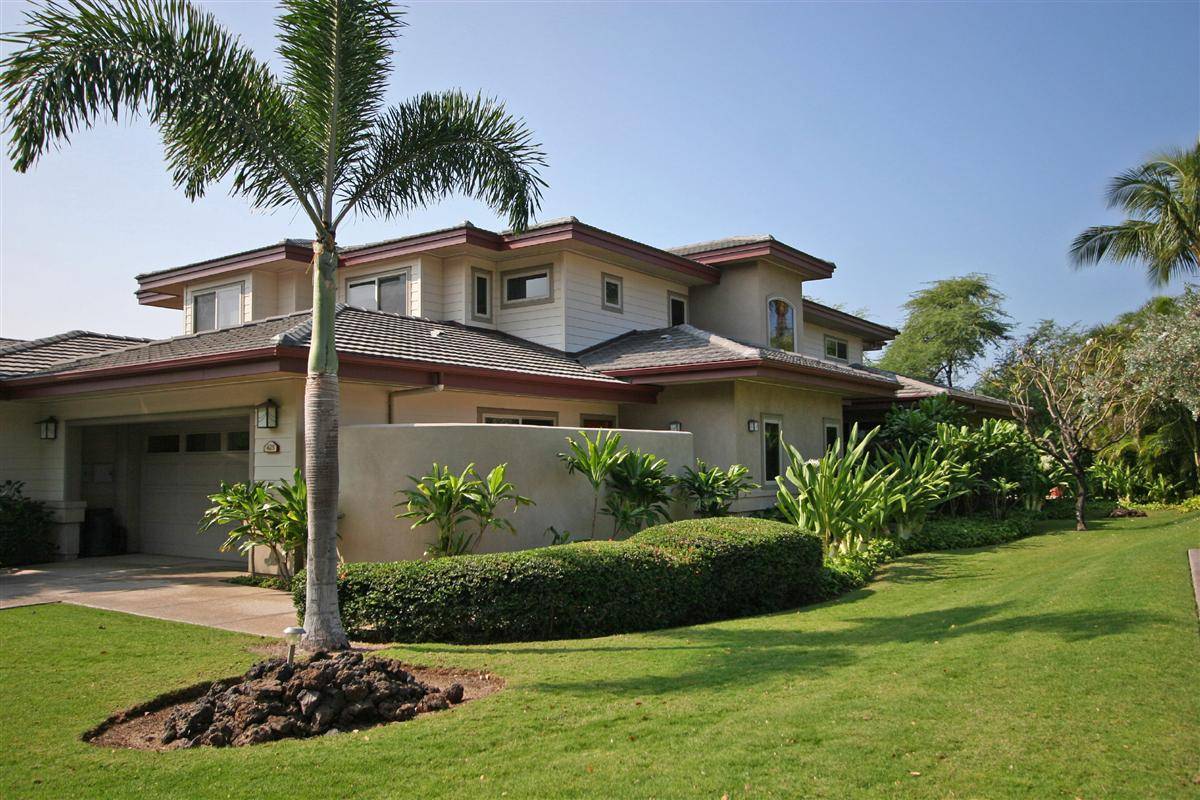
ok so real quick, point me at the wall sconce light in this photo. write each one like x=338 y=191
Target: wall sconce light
x=48 y=428
x=752 y=425
x=266 y=414
x=675 y=426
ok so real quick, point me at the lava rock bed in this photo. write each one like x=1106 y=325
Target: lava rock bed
x=277 y=700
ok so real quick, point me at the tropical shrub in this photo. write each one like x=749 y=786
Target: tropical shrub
x=26 y=527
x=677 y=574
x=639 y=493
x=909 y=425
x=594 y=459
x=454 y=503
x=922 y=479
x=263 y=514
x=712 y=490
x=998 y=467
x=834 y=495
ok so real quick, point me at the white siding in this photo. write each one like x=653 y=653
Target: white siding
x=428 y=288
x=542 y=322
x=812 y=343
x=588 y=323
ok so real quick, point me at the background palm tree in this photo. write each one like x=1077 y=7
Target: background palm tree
x=1162 y=199
x=316 y=137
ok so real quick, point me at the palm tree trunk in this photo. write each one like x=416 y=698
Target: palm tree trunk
x=322 y=619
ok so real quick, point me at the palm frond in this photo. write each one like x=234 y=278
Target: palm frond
x=220 y=111
x=438 y=144
x=338 y=55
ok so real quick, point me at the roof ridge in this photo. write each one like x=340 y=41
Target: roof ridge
x=743 y=348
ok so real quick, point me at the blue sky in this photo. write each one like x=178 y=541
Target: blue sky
x=905 y=142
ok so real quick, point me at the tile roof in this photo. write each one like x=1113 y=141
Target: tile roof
x=368 y=333
x=25 y=357
x=685 y=345
x=720 y=244
x=915 y=389
x=5 y=342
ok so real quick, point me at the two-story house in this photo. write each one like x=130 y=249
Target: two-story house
x=562 y=325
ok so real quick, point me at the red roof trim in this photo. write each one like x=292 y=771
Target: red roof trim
x=810 y=266
x=285 y=251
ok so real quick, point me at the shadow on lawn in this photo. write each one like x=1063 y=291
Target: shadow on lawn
x=718 y=656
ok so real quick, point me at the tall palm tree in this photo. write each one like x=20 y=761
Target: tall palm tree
x=316 y=137
x=1162 y=200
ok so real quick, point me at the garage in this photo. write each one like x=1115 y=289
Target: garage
x=156 y=478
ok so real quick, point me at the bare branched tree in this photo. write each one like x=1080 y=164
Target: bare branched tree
x=1084 y=387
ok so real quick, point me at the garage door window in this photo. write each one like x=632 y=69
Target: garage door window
x=163 y=443
x=237 y=441
x=203 y=442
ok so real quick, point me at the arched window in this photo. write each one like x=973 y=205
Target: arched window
x=781 y=324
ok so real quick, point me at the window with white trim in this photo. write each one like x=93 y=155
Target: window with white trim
x=217 y=308
x=781 y=324
x=481 y=295
x=837 y=349
x=385 y=292
x=612 y=293
x=772 y=434
x=677 y=309
x=528 y=286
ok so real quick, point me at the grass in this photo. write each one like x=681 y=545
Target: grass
x=1061 y=666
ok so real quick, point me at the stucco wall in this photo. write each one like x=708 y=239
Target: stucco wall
x=706 y=410
x=737 y=306
x=803 y=414
x=376 y=460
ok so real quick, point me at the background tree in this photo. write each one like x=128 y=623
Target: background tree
x=1087 y=394
x=1163 y=358
x=1162 y=201
x=949 y=326
x=317 y=138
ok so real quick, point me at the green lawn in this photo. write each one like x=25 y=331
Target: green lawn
x=1062 y=666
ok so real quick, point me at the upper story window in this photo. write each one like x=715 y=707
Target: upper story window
x=677 y=308
x=528 y=286
x=379 y=292
x=781 y=324
x=481 y=295
x=217 y=308
x=612 y=293
x=837 y=349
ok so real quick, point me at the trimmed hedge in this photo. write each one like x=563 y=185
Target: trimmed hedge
x=956 y=533
x=681 y=573
x=1065 y=509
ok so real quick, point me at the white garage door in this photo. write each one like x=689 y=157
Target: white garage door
x=181 y=466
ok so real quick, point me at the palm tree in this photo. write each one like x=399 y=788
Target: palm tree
x=317 y=137
x=1162 y=200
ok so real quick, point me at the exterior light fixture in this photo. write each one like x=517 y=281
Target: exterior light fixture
x=752 y=425
x=292 y=636
x=266 y=414
x=48 y=428
x=675 y=426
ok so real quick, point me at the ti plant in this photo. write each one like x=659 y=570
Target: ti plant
x=595 y=460
x=262 y=515
x=922 y=479
x=834 y=495
x=450 y=501
x=712 y=490
x=639 y=493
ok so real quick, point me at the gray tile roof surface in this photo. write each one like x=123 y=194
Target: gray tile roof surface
x=25 y=357
x=367 y=333
x=720 y=244
x=915 y=388
x=685 y=345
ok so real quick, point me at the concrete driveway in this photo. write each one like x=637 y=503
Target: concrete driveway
x=165 y=587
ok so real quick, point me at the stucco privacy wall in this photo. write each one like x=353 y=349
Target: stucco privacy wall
x=376 y=460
